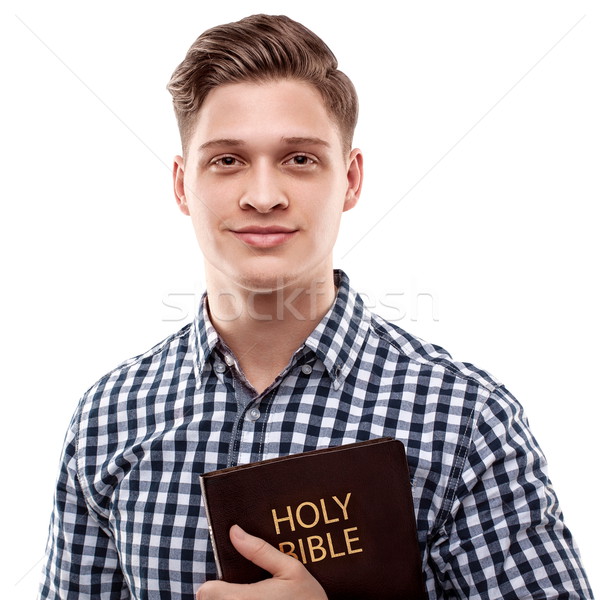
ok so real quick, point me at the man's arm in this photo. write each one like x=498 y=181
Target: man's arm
x=290 y=581
x=504 y=536
x=81 y=559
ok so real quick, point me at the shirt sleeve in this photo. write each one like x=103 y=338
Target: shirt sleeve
x=81 y=558
x=505 y=536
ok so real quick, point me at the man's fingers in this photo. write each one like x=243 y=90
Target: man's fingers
x=290 y=578
x=262 y=554
x=213 y=590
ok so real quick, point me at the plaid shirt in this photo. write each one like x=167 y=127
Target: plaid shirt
x=128 y=522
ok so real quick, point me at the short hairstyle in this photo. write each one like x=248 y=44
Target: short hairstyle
x=261 y=48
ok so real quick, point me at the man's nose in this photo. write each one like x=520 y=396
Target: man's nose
x=264 y=191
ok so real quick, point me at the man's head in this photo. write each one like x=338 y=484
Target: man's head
x=261 y=48
x=266 y=123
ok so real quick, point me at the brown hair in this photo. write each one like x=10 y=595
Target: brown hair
x=261 y=48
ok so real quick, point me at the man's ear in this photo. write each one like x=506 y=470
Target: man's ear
x=355 y=179
x=179 y=186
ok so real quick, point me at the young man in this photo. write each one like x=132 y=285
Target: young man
x=283 y=357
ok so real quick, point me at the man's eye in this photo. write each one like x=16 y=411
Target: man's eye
x=226 y=161
x=301 y=160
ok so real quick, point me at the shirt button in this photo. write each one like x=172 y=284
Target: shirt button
x=229 y=359
x=220 y=368
x=306 y=369
x=253 y=414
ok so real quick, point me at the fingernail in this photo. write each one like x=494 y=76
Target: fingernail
x=238 y=533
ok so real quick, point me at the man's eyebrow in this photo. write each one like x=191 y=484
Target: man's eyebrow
x=289 y=141
x=222 y=142
x=305 y=141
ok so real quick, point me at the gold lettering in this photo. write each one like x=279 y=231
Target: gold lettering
x=291 y=547
x=316 y=546
x=325 y=516
x=345 y=505
x=299 y=518
x=331 y=550
x=278 y=520
x=302 y=553
x=349 y=540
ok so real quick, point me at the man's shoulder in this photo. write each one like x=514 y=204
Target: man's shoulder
x=161 y=360
x=423 y=354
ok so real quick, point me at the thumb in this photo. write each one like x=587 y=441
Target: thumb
x=261 y=553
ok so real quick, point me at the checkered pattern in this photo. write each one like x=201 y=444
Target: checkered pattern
x=128 y=521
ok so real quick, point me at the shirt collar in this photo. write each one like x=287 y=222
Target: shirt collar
x=204 y=340
x=336 y=340
x=339 y=337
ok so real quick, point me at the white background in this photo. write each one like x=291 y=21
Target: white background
x=478 y=220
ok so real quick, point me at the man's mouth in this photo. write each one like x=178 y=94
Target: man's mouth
x=264 y=237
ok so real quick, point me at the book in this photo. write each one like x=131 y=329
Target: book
x=346 y=512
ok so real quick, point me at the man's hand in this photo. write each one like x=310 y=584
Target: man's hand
x=290 y=579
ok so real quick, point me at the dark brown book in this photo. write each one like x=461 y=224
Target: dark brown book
x=345 y=512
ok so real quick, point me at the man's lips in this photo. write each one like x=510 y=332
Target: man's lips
x=264 y=237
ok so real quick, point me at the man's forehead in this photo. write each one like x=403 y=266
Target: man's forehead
x=287 y=110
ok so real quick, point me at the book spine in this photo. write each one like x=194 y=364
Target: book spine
x=210 y=529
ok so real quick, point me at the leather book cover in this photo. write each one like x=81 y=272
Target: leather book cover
x=346 y=512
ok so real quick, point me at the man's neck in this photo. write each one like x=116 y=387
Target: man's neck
x=265 y=329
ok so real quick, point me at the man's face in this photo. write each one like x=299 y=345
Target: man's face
x=265 y=181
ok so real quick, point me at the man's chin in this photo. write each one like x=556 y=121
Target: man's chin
x=262 y=282
x=269 y=276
